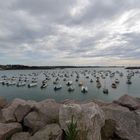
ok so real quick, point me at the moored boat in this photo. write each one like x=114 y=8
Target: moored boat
x=20 y=84
x=114 y=85
x=44 y=85
x=57 y=87
x=84 y=89
x=32 y=85
x=71 y=88
x=105 y=91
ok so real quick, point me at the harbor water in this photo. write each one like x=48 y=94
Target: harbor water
x=63 y=75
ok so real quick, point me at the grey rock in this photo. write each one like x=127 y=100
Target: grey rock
x=128 y=101
x=21 y=136
x=49 y=132
x=8 y=113
x=7 y=130
x=34 y=121
x=21 y=111
x=50 y=109
x=89 y=117
x=3 y=102
x=45 y=112
x=126 y=123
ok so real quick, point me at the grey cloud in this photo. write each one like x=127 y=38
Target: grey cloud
x=45 y=29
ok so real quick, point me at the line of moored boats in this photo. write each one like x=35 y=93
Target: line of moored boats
x=57 y=76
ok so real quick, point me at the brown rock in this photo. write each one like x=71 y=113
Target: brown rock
x=126 y=123
x=35 y=121
x=129 y=102
x=49 y=132
x=21 y=136
x=89 y=118
x=21 y=111
x=7 y=130
x=3 y=102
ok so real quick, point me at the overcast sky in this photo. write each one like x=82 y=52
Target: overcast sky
x=70 y=32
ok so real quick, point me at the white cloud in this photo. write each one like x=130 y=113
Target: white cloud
x=70 y=32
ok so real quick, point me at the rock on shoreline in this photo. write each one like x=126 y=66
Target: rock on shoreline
x=48 y=120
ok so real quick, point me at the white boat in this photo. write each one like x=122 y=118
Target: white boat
x=5 y=82
x=44 y=81
x=20 y=84
x=57 y=87
x=10 y=83
x=44 y=85
x=32 y=85
x=1 y=82
x=69 y=83
x=71 y=88
x=84 y=89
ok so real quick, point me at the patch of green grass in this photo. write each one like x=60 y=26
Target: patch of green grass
x=72 y=132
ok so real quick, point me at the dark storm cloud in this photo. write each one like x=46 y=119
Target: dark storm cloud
x=69 y=31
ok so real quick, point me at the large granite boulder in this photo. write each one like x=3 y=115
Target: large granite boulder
x=7 y=130
x=21 y=111
x=46 y=112
x=21 y=136
x=121 y=122
x=3 y=102
x=11 y=112
x=89 y=118
x=35 y=121
x=50 y=109
x=49 y=132
x=8 y=113
x=128 y=101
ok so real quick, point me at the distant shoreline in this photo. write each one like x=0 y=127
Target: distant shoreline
x=23 y=67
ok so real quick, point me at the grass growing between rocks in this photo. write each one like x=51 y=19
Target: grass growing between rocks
x=72 y=132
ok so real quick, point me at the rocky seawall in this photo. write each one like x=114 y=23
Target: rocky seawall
x=49 y=120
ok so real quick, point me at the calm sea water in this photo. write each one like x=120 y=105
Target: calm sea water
x=36 y=93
